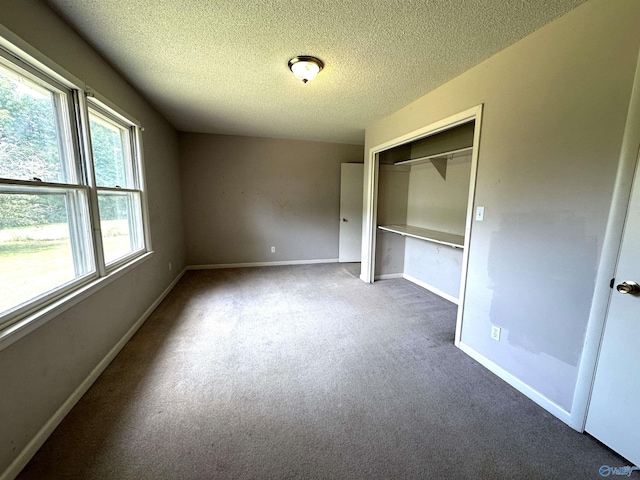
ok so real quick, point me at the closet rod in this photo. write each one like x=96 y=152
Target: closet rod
x=451 y=154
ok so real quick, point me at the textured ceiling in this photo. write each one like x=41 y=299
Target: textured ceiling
x=221 y=66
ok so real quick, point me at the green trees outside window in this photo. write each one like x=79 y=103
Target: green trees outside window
x=50 y=191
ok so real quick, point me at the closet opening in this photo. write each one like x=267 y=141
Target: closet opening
x=418 y=207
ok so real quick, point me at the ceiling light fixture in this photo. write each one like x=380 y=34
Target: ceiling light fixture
x=305 y=68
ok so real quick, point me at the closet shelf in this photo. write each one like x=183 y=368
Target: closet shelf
x=455 y=241
x=443 y=155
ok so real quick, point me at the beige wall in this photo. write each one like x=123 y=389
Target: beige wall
x=40 y=371
x=441 y=205
x=418 y=195
x=555 y=106
x=436 y=203
x=393 y=192
x=242 y=195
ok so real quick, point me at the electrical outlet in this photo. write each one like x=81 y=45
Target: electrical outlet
x=273 y=249
x=169 y=266
x=495 y=333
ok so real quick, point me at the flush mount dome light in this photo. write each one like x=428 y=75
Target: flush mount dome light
x=305 y=68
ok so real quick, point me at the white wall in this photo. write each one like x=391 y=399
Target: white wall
x=40 y=371
x=555 y=105
x=243 y=195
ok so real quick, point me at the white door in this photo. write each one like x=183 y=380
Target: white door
x=614 y=408
x=351 y=181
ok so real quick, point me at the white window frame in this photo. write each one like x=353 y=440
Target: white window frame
x=103 y=108
x=19 y=321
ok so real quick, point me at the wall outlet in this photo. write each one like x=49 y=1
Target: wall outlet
x=169 y=266
x=273 y=249
x=495 y=333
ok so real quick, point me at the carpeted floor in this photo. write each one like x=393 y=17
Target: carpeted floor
x=306 y=372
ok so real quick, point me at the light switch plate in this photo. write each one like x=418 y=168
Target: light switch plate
x=480 y=214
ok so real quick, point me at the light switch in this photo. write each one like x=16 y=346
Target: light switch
x=480 y=214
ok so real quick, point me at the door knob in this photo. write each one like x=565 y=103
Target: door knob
x=629 y=287
x=344 y=219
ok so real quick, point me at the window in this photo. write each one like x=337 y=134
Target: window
x=117 y=184
x=68 y=215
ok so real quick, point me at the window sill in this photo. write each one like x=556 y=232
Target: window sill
x=28 y=324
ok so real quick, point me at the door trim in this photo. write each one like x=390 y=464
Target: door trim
x=608 y=260
x=370 y=211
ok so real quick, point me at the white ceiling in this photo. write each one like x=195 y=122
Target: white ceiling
x=220 y=66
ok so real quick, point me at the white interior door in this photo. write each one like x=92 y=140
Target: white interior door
x=351 y=182
x=615 y=401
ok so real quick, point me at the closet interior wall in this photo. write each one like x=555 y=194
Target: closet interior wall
x=416 y=192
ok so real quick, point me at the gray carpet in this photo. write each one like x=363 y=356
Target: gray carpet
x=306 y=372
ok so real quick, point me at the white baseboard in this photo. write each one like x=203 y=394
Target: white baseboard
x=388 y=276
x=261 y=264
x=420 y=283
x=47 y=429
x=518 y=384
x=431 y=288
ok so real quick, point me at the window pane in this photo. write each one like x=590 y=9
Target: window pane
x=111 y=158
x=30 y=145
x=121 y=224
x=37 y=242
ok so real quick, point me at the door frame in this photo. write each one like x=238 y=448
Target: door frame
x=370 y=207
x=629 y=158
